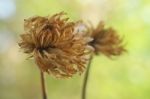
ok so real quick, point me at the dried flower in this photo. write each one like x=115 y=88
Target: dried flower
x=56 y=46
x=106 y=40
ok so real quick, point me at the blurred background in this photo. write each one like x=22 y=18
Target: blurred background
x=125 y=77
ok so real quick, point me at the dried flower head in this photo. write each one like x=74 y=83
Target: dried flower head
x=106 y=40
x=56 y=46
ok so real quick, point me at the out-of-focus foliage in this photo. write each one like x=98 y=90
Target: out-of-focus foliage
x=125 y=77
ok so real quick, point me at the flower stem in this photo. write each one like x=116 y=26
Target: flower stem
x=43 y=86
x=85 y=81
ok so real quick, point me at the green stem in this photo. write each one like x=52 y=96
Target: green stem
x=85 y=81
x=43 y=86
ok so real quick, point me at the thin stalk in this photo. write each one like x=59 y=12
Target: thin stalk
x=85 y=80
x=43 y=86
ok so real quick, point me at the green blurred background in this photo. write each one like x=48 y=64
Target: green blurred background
x=125 y=77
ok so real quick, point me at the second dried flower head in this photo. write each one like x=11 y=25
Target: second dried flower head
x=105 y=40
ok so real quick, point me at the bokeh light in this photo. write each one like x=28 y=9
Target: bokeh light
x=7 y=8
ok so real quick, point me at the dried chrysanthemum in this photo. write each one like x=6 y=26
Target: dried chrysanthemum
x=105 y=40
x=56 y=46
